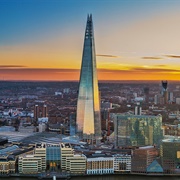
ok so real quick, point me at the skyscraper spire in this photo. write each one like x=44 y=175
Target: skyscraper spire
x=88 y=105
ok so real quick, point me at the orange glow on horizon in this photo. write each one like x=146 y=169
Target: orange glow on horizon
x=74 y=74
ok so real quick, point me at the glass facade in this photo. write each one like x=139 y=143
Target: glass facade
x=53 y=156
x=88 y=105
x=170 y=155
x=132 y=130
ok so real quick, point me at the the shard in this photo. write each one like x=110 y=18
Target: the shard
x=88 y=119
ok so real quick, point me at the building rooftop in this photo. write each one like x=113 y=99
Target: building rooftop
x=98 y=155
x=65 y=145
x=172 y=140
x=8 y=150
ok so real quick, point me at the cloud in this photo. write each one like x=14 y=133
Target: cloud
x=108 y=56
x=73 y=74
x=172 y=56
x=152 y=58
x=38 y=74
x=128 y=69
x=160 y=65
x=141 y=70
x=12 y=66
x=155 y=70
x=37 y=70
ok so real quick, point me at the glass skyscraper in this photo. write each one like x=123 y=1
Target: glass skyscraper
x=140 y=130
x=88 y=105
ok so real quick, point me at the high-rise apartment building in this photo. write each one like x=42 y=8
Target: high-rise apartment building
x=88 y=105
x=44 y=111
x=36 y=112
x=40 y=111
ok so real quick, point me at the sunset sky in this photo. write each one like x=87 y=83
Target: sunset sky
x=134 y=39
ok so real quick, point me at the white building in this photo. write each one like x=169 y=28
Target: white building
x=43 y=120
x=42 y=127
x=29 y=164
x=100 y=165
x=177 y=100
x=66 y=151
x=66 y=90
x=58 y=93
x=122 y=163
x=40 y=152
x=76 y=164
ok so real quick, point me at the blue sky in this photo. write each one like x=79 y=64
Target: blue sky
x=24 y=20
x=49 y=33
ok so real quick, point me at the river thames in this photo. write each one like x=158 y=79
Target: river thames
x=105 y=177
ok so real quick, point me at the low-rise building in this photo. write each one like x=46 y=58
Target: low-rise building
x=170 y=155
x=40 y=151
x=29 y=164
x=142 y=158
x=76 y=164
x=122 y=163
x=7 y=164
x=66 y=151
x=100 y=164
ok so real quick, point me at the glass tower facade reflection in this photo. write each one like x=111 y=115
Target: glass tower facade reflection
x=137 y=130
x=88 y=105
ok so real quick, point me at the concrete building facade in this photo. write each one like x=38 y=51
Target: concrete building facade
x=76 y=164
x=122 y=163
x=100 y=165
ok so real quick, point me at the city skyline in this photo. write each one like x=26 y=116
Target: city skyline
x=135 y=40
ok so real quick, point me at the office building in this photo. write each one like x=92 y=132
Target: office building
x=142 y=158
x=178 y=100
x=122 y=163
x=40 y=151
x=53 y=157
x=88 y=118
x=170 y=155
x=164 y=91
x=76 y=164
x=72 y=119
x=7 y=164
x=140 y=130
x=29 y=164
x=146 y=94
x=138 y=109
x=100 y=164
x=66 y=151
x=170 y=97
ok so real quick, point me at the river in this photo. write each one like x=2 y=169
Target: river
x=105 y=177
